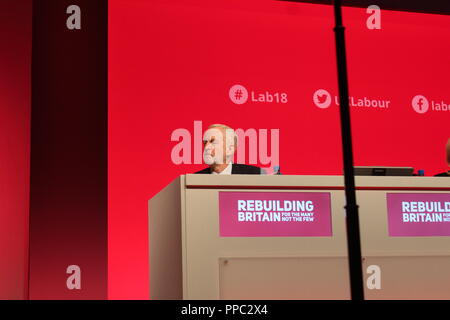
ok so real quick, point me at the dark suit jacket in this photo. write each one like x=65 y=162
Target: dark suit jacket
x=236 y=169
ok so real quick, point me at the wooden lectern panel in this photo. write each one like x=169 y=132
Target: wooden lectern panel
x=165 y=237
x=303 y=278
x=205 y=247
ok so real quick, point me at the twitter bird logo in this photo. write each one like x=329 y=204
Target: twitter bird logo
x=322 y=98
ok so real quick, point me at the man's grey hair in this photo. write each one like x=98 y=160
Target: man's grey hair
x=230 y=134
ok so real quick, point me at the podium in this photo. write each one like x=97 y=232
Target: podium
x=192 y=258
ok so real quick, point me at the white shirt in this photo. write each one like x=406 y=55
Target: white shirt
x=227 y=170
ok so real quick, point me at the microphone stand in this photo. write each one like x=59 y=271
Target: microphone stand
x=352 y=219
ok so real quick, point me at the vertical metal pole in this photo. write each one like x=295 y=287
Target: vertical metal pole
x=352 y=219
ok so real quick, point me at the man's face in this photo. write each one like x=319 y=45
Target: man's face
x=214 y=146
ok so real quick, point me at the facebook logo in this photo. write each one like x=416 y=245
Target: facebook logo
x=420 y=104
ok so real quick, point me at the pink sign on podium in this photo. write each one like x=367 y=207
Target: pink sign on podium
x=275 y=214
x=418 y=214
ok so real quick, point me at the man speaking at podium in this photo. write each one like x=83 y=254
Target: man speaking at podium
x=220 y=143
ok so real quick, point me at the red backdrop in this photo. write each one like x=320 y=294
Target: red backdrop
x=172 y=63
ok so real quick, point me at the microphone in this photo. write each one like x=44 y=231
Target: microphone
x=276 y=170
